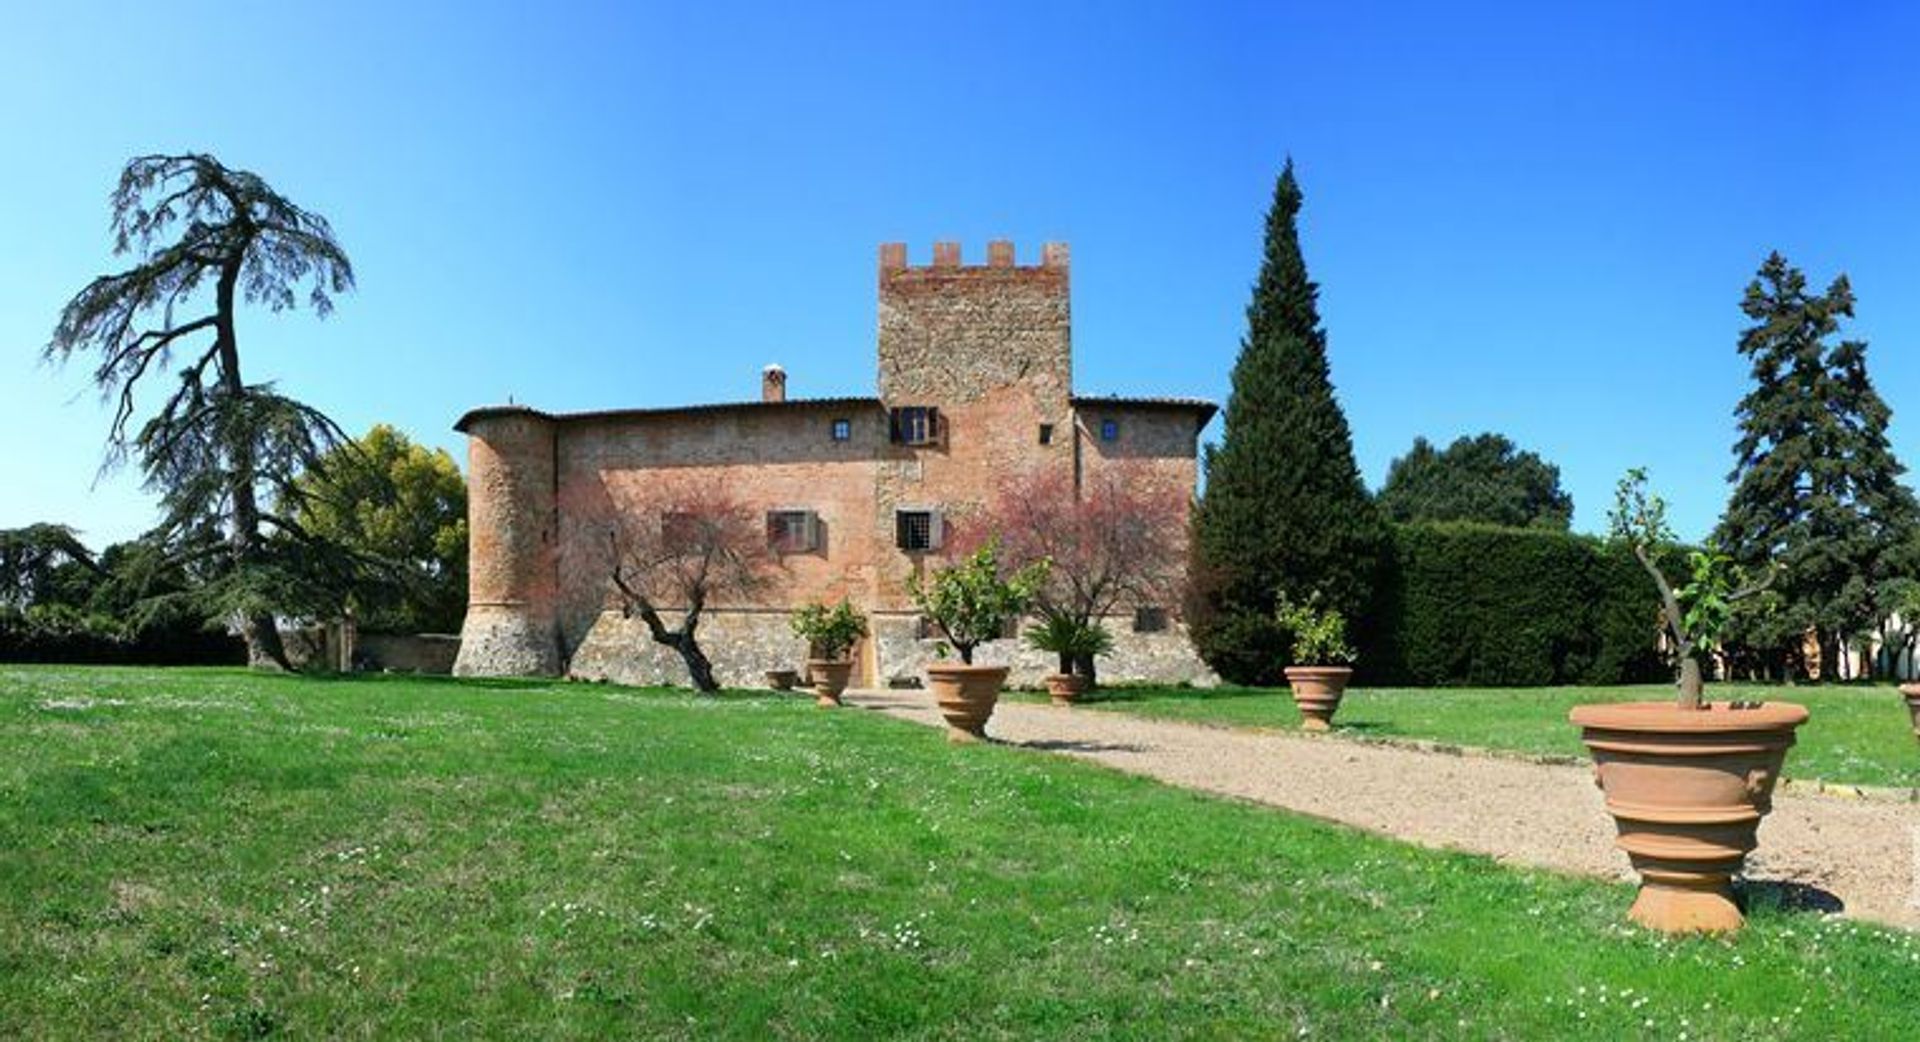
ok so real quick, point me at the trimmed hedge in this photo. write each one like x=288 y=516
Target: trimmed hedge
x=1477 y=605
x=65 y=635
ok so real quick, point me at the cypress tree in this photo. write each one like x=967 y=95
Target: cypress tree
x=1817 y=487
x=1284 y=509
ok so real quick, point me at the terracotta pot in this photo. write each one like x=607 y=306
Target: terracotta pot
x=1065 y=688
x=966 y=695
x=1687 y=789
x=1912 y=693
x=782 y=679
x=1317 y=691
x=830 y=678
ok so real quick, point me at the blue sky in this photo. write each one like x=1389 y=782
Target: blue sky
x=1532 y=218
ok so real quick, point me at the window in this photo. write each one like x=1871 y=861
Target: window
x=916 y=530
x=842 y=430
x=681 y=533
x=1149 y=620
x=1046 y=434
x=793 y=531
x=915 y=425
x=1109 y=430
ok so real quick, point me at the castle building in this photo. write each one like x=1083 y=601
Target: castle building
x=975 y=387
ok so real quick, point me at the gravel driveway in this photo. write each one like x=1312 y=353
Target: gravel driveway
x=1865 y=854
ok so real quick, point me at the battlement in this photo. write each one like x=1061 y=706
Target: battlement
x=946 y=256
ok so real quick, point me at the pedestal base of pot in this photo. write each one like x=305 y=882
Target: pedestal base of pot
x=1066 y=688
x=1912 y=694
x=1316 y=692
x=1687 y=789
x=1707 y=907
x=967 y=695
x=782 y=679
x=830 y=679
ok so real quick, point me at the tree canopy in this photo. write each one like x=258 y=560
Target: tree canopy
x=1284 y=511
x=401 y=510
x=1817 y=488
x=1486 y=478
x=218 y=447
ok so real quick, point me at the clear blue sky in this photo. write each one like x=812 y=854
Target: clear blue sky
x=1524 y=218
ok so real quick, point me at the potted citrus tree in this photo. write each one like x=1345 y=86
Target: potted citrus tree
x=972 y=603
x=1687 y=781
x=1061 y=634
x=1322 y=659
x=830 y=633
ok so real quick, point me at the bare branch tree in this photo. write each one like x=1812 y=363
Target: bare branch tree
x=1113 y=544
x=681 y=546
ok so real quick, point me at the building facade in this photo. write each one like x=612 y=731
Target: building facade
x=975 y=386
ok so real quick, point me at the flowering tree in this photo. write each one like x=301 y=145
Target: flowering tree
x=679 y=547
x=1111 y=544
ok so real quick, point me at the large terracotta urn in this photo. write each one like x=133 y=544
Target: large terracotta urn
x=830 y=679
x=1317 y=691
x=1912 y=694
x=1065 y=688
x=1687 y=789
x=966 y=695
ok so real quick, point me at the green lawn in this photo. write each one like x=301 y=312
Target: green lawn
x=217 y=854
x=1856 y=733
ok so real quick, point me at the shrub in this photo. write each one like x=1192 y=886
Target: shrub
x=972 y=602
x=829 y=632
x=1319 y=633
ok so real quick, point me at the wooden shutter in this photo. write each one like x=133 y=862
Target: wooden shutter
x=936 y=529
x=933 y=430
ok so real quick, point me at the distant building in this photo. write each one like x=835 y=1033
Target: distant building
x=975 y=385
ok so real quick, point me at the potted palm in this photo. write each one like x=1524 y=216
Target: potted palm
x=1061 y=634
x=1686 y=781
x=1322 y=659
x=972 y=603
x=830 y=633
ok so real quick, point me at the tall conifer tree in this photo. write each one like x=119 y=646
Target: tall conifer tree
x=1817 y=487
x=1284 y=509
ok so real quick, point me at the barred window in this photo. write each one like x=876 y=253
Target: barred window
x=842 y=430
x=916 y=529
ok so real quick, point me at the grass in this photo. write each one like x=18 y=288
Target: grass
x=1857 y=734
x=223 y=855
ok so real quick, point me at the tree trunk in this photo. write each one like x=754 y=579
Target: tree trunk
x=965 y=651
x=1084 y=663
x=262 y=633
x=699 y=667
x=1693 y=684
x=1066 y=663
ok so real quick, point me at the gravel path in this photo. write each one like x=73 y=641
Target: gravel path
x=1864 y=854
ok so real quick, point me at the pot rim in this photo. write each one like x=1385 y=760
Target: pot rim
x=1307 y=671
x=962 y=669
x=829 y=662
x=1668 y=718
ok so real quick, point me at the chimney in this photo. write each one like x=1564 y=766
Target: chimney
x=773 y=384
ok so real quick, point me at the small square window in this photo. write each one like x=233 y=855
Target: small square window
x=915 y=425
x=1109 y=430
x=916 y=530
x=842 y=430
x=793 y=531
x=1149 y=620
x=1046 y=434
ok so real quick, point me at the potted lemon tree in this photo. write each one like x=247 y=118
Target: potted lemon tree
x=830 y=633
x=1322 y=659
x=1687 y=781
x=971 y=602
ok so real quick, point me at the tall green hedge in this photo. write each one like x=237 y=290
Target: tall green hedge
x=1478 y=605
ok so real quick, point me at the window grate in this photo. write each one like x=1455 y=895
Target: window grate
x=916 y=530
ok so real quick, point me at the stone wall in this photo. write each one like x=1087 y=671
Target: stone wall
x=744 y=645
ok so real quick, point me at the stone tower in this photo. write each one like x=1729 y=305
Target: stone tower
x=953 y=333
x=512 y=624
